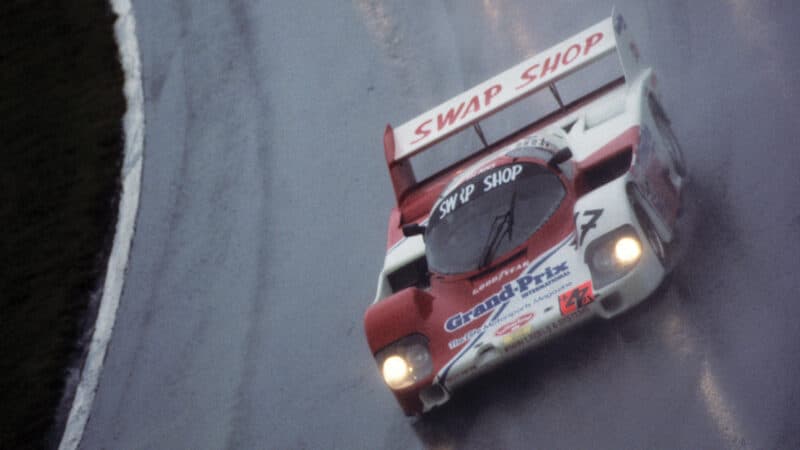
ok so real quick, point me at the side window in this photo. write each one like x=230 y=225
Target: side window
x=665 y=129
x=413 y=274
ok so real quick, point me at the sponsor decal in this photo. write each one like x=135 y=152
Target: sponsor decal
x=498 y=177
x=550 y=293
x=549 y=67
x=457 y=342
x=454 y=114
x=503 y=176
x=526 y=335
x=505 y=316
x=535 y=141
x=476 y=331
x=514 y=325
x=576 y=298
x=449 y=203
x=499 y=276
x=490 y=324
x=502 y=89
x=517 y=335
x=500 y=317
x=524 y=286
x=460 y=319
x=532 y=283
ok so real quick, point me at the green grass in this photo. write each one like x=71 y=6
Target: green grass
x=61 y=105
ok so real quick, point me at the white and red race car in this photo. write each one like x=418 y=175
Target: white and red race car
x=570 y=217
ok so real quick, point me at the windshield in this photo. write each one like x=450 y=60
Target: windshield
x=489 y=215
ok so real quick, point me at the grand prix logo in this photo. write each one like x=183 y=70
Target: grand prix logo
x=524 y=286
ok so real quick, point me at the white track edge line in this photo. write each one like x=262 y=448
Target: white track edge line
x=133 y=126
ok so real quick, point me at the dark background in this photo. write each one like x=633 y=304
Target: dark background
x=61 y=107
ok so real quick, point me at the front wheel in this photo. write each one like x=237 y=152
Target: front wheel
x=658 y=245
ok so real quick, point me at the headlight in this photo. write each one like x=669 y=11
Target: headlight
x=613 y=255
x=405 y=362
x=627 y=250
x=395 y=370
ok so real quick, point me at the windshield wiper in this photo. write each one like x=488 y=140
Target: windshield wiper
x=501 y=225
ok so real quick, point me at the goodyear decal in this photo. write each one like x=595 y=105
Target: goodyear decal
x=498 y=276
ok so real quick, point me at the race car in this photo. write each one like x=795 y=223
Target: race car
x=570 y=217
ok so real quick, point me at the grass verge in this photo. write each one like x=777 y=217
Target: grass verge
x=61 y=106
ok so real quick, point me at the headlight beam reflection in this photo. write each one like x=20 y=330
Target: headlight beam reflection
x=679 y=339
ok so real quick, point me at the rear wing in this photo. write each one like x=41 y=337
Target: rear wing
x=505 y=89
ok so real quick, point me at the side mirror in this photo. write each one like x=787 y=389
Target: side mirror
x=560 y=157
x=413 y=229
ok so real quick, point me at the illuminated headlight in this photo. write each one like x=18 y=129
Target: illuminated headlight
x=405 y=362
x=627 y=250
x=613 y=255
x=395 y=370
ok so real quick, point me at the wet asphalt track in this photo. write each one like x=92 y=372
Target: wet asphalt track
x=263 y=214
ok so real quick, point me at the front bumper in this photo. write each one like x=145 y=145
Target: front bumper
x=483 y=354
